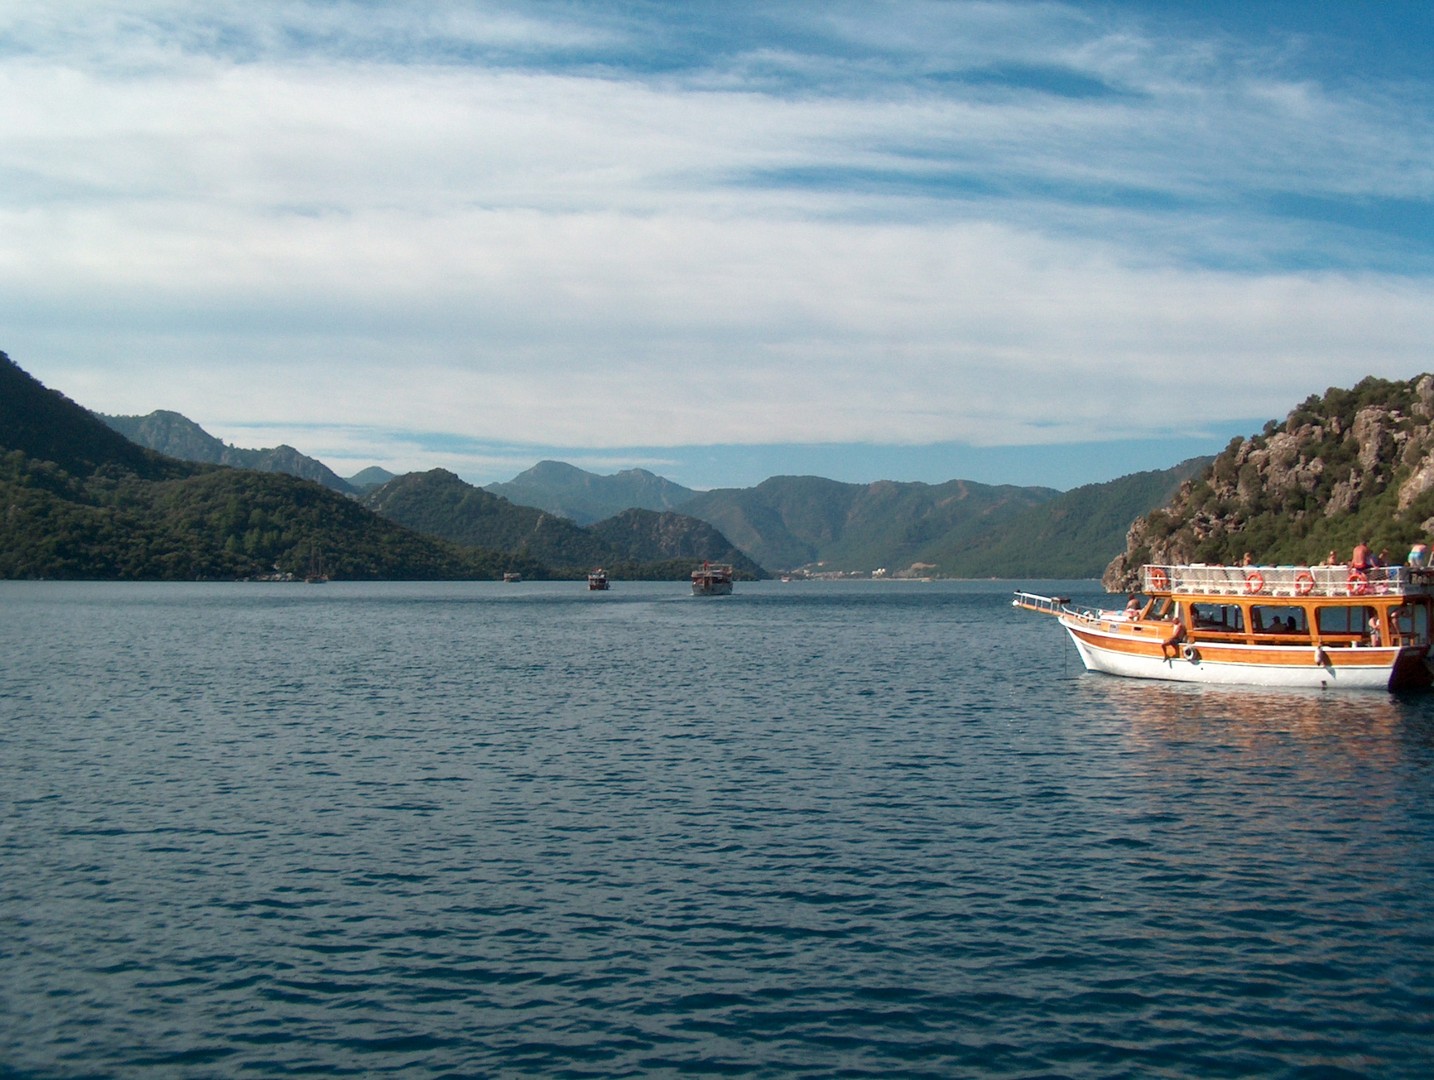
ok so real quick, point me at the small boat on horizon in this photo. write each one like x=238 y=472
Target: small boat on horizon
x=1321 y=627
x=511 y=577
x=712 y=579
x=597 y=580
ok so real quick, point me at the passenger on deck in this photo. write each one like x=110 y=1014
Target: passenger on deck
x=1374 y=637
x=1132 y=607
x=1333 y=558
x=1362 y=559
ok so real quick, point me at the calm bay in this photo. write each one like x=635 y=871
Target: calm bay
x=855 y=829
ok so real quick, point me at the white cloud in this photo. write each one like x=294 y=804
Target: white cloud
x=365 y=231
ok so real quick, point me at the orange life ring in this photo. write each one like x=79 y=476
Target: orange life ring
x=1159 y=579
x=1254 y=582
x=1358 y=584
x=1304 y=583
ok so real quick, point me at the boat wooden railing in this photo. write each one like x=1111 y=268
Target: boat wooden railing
x=1107 y=619
x=1287 y=581
x=1051 y=605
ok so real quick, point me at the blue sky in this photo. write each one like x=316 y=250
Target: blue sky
x=1036 y=243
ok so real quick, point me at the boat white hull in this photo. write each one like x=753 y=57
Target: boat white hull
x=1247 y=665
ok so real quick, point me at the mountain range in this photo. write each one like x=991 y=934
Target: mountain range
x=438 y=503
x=956 y=529
x=805 y=523
x=584 y=497
x=82 y=501
x=564 y=516
x=176 y=436
x=634 y=522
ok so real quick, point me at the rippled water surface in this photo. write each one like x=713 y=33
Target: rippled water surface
x=867 y=829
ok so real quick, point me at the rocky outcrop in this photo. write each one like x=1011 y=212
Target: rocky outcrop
x=179 y=437
x=1355 y=465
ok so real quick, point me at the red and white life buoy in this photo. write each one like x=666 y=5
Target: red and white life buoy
x=1304 y=583
x=1159 y=579
x=1358 y=584
x=1254 y=582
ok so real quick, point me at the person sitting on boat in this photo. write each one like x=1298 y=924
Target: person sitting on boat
x=1417 y=555
x=1362 y=559
x=1333 y=558
x=1374 y=635
x=1132 y=607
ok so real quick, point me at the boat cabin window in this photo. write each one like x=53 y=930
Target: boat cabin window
x=1268 y=619
x=1344 y=619
x=1221 y=618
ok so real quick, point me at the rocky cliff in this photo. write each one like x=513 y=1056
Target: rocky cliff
x=1354 y=465
x=177 y=436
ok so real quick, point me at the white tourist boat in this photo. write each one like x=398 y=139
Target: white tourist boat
x=1329 y=627
x=712 y=579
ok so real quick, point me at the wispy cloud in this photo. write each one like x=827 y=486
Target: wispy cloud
x=617 y=225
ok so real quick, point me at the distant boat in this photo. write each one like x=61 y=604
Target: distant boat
x=713 y=579
x=317 y=575
x=511 y=577
x=597 y=580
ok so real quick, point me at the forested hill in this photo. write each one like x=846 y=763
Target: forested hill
x=82 y=501
x=1353 y=465
x=79 y=506
x=795 y=521
x=634 y=544
x=1069 y=536
x=954 y=529
x=48 y=427
x=638 y=535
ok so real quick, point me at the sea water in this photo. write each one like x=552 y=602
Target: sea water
x=862 y=829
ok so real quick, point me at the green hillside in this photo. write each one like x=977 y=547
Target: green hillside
x=796 y=521
x=641 y=539
x=439 y=503
x=1070 y=536
x=81 y=501
x=635 y=544
x=1356 y=464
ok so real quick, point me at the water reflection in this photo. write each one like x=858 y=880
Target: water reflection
x=1325 y=737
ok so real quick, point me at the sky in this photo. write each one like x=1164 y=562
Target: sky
x=1008 y=242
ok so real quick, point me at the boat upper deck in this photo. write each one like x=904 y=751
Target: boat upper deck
x=1336 y=582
